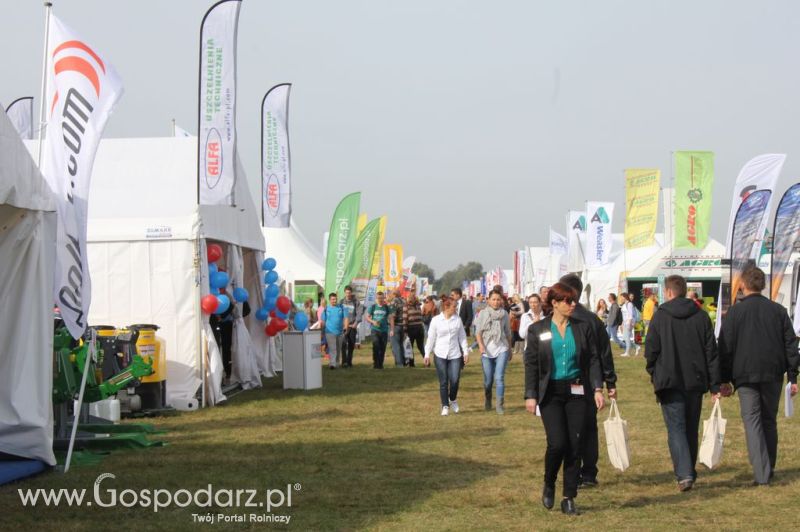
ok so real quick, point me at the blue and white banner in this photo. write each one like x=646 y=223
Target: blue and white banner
x=276 y=164
x=558 y=243
x=576 y=240
x=599 y=215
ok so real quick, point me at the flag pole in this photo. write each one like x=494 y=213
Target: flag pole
x=48 y=7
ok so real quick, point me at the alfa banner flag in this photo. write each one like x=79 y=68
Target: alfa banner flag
x=746 y=236
x=576 y=240
x=559 y=245
x=358 y=271
x=276 y=163
x=341 y=241
x=392 y=265
x=20 y=112
x=216 y=131
x=784 y=236
x=694 y=179
x=599 y=216
x=641 y=206
x=82 y=90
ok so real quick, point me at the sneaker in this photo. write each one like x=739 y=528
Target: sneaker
x=685 y=485
x=454 y=407
x=445 y=411
x=625 y=354
x=638 y=348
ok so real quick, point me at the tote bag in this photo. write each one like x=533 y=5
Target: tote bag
x=616 y=430
x=710 y=453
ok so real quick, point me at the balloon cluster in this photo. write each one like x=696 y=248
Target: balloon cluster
x=216 y=302
x=276 y=307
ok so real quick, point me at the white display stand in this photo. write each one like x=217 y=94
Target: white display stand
x=302 y=365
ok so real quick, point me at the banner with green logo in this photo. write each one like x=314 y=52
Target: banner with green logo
x=599 y=216
x=694 y=179
x=357 y=273
x=342 y=241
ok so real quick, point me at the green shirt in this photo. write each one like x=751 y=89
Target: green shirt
x=565 y=363
x=380 y=314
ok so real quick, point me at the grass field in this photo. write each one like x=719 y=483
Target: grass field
x=370 y=451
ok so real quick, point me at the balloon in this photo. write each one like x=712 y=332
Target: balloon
x=209 y=303
x=272 y=291
x=281 y=315
x=270 y=331
x=214 y=252
x=224 y=304
x=215 y=291
x=280 y=323
x=219 y=280
x=269 y=264
x=212 y=269
x=273 y=314
x=284 y=304
x=271 y=277
x=261 y=314
x=240 y=294
x=269 y=304
x=300 y=321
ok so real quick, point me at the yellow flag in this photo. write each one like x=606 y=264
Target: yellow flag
x=362 y=223
x=641 y=206
x=392 y=265
x=376 y=262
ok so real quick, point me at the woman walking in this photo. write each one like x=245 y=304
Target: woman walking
x=493 y=333
x=515 y=311
x=602 y=311
x=534 y=314
x=447 y=341
x=562 y=374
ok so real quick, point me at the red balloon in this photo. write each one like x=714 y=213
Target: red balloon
x=280 y=324
x=272 y=314
x=209 y=303
x=269 y=330
x=284 y=304
x=214 y=252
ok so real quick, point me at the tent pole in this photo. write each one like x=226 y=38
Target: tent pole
x=48 y=7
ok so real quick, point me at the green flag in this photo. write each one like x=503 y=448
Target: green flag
x=694 y=179
x=341 y=241
x=358 y=271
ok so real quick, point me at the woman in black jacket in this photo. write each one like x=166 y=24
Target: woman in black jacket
x=562 y=374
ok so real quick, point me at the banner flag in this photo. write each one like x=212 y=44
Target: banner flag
x=576 y=240
x=785 y=235
x=216 y=114
x=694 y=180
x=559 y=245
x=362 y=223
x=276 y=161
x=82 y=89
x=376 y=262
x=641 y=206
x=392 y=265
x=358 y=271
x=341 y=241
x=598 y=233
x=746 y=237
x=20 y=112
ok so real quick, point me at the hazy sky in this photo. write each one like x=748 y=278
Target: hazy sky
x=473 y=125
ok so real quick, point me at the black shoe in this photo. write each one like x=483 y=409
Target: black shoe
x=568 y=506
x=549 y=497
x=411 y=363
x=487 y=402
x=331 y=367
x=685 y=485
x=588 y=482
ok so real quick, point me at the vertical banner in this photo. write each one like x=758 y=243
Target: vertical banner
x=341 y=241
x=392 y=265
x=82 y=90
x=746 y=234
x=598 y=233
x=358 y=270
x=276 y=161
x=641 y=206
x=216 y=114
x=376 y=262
x=784 y=237
x=576 y=240
x=20 y=112
x=559 y=245
x=694 y=179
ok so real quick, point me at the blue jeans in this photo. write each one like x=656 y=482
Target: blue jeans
x=397 y=346
x=449 y=373
x=612 y=333
x=681 y=412
x=494 y=369
x=627 y=331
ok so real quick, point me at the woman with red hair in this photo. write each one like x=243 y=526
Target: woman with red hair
x=562 y=374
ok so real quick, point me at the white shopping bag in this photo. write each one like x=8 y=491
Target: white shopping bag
x=616 y=430
x=710 y=453
x=788 y=404
x=407 y=349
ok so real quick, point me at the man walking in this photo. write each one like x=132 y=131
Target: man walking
x=614 y=320
x=757 y=346
x=396 y=335
x=463 y=309
x=378 y=317
x=353 y=311
x=682 y=361
x=334 y=322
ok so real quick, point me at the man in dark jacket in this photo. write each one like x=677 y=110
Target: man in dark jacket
x=590 y=451
x=682 y=362
x=757 y=346
x=614 y=319
x=463 y=308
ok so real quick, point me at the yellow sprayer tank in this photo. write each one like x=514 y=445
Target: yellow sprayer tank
x=149 y=346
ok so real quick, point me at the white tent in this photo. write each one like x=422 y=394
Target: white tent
x=690 y=263
x=27 y=260
x=147 y=257
x=298 y=260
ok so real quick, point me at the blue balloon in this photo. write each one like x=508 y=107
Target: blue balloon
x=300 y=321
x=224 y=304
x=269 y=264
x=271 y=277
x=261 y=314
x=281 y=315
x=240 y=294
x=269 y=303
x=212 y=268
x=219 y=280
x=214 y=291
x=272 y=291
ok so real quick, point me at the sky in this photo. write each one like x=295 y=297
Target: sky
x=473 y=125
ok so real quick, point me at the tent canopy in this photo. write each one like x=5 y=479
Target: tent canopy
x=297 y=258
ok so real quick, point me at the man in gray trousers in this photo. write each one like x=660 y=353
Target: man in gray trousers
x=757 y=345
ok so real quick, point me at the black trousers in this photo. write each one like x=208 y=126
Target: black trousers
x=223 y=334
x=379 y=341
x=416 y=333
x=591 y=446
x=564 y=418
x=350 y=338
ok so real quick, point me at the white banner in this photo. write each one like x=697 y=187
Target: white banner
x=216 y=129
x=599 y=215
x=558 y=243
x=20 y=112
x=82 y=89
x=276 y=166
x=576 y=240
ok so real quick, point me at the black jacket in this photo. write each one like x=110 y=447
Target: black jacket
x=465 y=313
x=680 y=349
x=585 y=315
x=614 y=315
x=757 y=343
x=539 y=357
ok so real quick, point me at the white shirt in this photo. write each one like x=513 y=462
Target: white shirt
x=525 y=322
x=627 y=312
x=446 y=337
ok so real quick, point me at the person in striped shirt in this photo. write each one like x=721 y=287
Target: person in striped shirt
x=413 y=326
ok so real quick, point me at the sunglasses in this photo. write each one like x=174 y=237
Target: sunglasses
x=567 y=300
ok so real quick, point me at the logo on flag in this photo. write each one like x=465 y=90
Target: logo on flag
x=580 y=224
x=600 y=216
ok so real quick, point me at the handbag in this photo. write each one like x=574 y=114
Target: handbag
x=710 y=453
x=788 y=404
x=616 y=430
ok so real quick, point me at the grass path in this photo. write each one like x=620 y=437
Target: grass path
x=371 y=451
